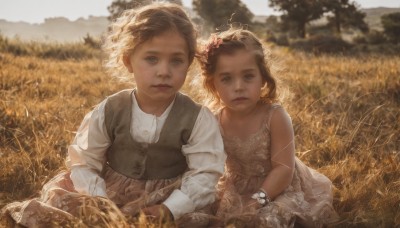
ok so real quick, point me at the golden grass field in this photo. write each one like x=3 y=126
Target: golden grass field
x=345 y=111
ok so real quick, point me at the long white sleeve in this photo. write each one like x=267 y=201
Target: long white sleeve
x=206 y=158
x=204 y=154
x=86 y=154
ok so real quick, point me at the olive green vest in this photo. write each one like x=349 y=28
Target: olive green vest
x=160 y=160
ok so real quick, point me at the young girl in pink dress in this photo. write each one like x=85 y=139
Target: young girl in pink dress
x=264 y=184
x=150 y=149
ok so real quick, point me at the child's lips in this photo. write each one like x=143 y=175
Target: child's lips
x=240 y=99
x=162 y=86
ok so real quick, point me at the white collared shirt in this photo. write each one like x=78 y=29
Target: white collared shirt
x=204 y=154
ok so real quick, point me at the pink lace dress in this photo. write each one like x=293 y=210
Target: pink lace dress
x=306 y=201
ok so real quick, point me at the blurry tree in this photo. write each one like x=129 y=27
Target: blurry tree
x=118 y=6
x=218 y=13
x=299 y=12
x=179 y=2
x=346 y=14
x=272 y=23
x=375 y=37
x=391 y=26
x=289 y=26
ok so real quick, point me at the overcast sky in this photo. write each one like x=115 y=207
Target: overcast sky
x=35 y=11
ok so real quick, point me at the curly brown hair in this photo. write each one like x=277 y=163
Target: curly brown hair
x=228 y=42
x=136 y=26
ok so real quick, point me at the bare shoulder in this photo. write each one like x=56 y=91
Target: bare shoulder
x=277 y=116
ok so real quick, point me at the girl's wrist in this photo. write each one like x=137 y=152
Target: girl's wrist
x=262 y=197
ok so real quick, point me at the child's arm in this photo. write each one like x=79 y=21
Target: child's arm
x=282 y=153
x=205 y=156
x=87 y=153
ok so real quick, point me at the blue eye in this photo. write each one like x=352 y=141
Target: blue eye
x=151 y=59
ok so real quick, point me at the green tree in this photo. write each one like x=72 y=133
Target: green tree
x=218 y=13
x=391 y=26
x=272 y=24
x=299 y=12
x=346 y=14
x=118 y=6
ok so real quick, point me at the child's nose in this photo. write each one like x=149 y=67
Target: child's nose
x=163 y=70
x=238 y=84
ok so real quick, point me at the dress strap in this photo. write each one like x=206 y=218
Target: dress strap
x=270 y=112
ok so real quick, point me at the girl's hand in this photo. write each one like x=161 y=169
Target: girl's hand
x=250 y=203
x=158 y=211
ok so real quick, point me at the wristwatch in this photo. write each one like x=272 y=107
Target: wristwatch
x=262 y=197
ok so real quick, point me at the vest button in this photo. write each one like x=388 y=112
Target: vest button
x=142 y=152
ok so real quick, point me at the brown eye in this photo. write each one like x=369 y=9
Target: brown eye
x=225 y=79
x=177 y=61
x=248 y=77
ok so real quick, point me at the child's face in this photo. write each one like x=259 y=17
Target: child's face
x=238 y=81
x=159 y=66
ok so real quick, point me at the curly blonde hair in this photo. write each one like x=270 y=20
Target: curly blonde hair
x=136 y=26
x=228 y=42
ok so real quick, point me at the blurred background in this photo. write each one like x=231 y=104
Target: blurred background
x=298 y=23
x=338 y=60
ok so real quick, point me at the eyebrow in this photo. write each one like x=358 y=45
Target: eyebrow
x=224 y=74
x=157 y=52
x=248 y=70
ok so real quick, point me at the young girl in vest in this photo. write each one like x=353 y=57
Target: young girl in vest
x=264 y=184
x=150 y=149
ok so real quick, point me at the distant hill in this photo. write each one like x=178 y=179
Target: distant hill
x=373 y=17
x=61 y=29
x=58 y=29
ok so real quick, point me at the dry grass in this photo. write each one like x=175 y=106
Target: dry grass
x=345 y=111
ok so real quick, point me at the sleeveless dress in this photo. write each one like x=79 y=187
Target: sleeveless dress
x=306 y=201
